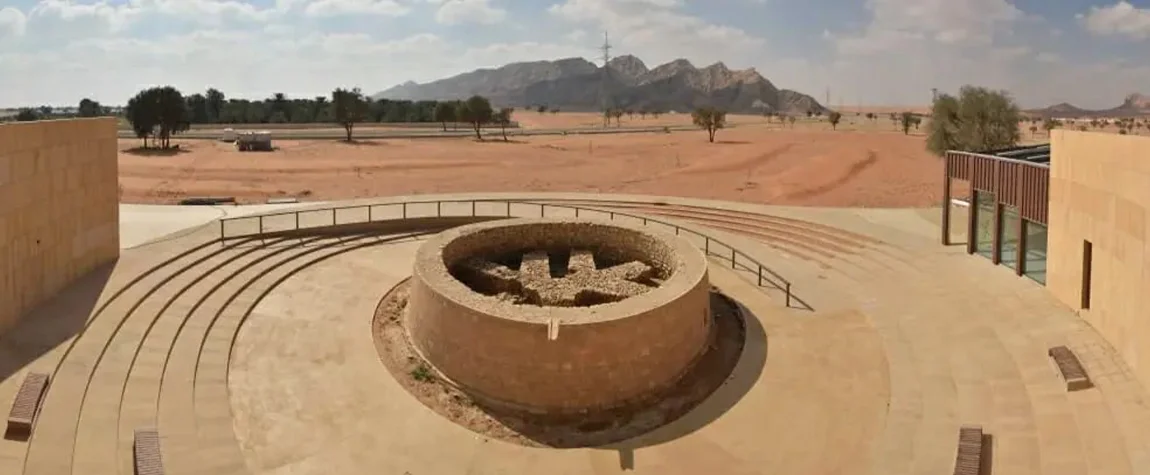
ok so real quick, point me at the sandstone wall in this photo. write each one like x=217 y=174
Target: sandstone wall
x=1100 y=192
x=59 y=208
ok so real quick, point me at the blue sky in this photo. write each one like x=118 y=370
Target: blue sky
x=878 y=52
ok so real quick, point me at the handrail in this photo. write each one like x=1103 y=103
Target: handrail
x=781 y=284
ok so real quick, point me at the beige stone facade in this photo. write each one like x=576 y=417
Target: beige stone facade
x=59 y=210
x=1100 y=194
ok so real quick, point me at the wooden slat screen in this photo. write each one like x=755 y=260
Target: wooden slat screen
x=1023 y=185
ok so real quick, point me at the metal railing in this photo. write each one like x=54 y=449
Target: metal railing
x=763 y=273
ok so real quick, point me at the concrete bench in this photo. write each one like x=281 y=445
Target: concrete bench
x=146 y=453
x=26 y=406
x=968 y=461
x=1071 y=369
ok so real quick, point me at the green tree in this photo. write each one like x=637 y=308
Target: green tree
x=215 y=105
x=978 y=119
x=618 y=115
x=171 y=113
x=709 y=119
x=89 y=108
x=445 y=112
x=834 y=118
x=503 y=118
x=158 y=111
x=348 y=107
x=541 y=109
x=27 y=115
x=198 y=109
x=476 y=111
x=907 y=120
x=791 y=119
x=1049 y=124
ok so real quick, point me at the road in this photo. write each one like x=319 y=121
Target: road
x=369 y=133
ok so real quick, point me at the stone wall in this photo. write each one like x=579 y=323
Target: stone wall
x=596 y=357
x=1100 y=192
x=59 y=208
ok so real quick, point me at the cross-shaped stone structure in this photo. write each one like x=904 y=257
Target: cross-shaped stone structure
x=583 y=285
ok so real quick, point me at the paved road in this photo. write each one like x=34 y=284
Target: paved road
x=369 y=133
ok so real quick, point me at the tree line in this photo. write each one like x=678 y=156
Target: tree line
x=158 y=113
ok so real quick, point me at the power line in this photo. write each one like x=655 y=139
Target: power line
x=603 y=92
x=606 y=48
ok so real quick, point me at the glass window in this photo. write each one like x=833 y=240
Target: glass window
x=1009 y=228
x=984 y=224
x=1036 y=252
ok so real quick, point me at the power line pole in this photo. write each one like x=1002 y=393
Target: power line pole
x=603 y=89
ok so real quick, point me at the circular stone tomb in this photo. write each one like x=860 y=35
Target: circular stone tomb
x=555 y=316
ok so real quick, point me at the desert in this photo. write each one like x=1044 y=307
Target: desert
x=752 y=162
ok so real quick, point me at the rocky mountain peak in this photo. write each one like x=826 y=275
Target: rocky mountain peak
x=629 y=66
x=578 y=84
x=1137 y=101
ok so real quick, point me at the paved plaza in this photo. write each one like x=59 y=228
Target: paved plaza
x=255 y=355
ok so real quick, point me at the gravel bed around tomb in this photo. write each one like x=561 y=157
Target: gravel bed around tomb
x=710 y=372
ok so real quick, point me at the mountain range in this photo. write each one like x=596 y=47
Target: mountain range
x=1135 y=105
x=575 y=84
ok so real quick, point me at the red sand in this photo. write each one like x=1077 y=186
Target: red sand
x=754 y=164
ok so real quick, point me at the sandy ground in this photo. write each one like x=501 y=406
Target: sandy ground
x=754 y=164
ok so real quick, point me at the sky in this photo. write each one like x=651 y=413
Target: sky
x=1090 y=53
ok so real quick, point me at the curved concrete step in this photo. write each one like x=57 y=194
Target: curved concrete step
x=812 y=241
x=51 y=447
x=199 y=369
x=97 y=444
x=825 y=231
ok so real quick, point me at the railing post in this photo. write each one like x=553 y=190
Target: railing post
x=732 y=257
x=706 y=245
x=508 y=203
x=334 y=211
x=644 y=221
x=472 y=208
x=760 y=276
x=297 y=220
x=788 y=295
x=261 y=224
x=404 y=210
x=369 y=213
x=221 y=230
x=576 y=212
x=541 y=210
x=438 y=209
x=611 y=214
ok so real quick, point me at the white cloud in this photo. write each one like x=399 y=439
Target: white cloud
x=946 y=22
x=59 y=51
x=659 y=31
x=1121 y=18
x=454 y=12
x=322 y=8
x=12 y=22
x=908 y=48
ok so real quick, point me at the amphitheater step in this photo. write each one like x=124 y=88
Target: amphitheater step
x=51 y=446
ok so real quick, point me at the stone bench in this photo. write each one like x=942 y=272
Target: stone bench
x=968 y=461
x=1071 y=369
x=146 y=453
x=26 y=406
